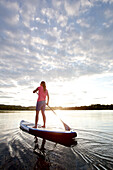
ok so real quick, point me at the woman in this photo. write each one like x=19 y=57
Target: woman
x=41 y=102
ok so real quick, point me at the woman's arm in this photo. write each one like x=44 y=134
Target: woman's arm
x=47 y=98
x=35 y=90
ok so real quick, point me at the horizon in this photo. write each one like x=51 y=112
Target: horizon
x=68 y=44
x=61 y=106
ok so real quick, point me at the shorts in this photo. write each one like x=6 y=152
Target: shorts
x=40 y=105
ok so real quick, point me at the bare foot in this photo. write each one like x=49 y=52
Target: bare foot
x=34 y=127
x=43 y=126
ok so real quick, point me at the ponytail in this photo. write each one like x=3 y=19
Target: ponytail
x=44 y=85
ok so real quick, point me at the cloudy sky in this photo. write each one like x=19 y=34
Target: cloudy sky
x=67 y=43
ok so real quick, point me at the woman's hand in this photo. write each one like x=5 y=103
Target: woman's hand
x=34 y=91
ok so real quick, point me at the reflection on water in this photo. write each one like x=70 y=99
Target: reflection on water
x=94 y=149
x=43 y=161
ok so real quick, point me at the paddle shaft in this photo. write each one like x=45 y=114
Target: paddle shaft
x=65 y=125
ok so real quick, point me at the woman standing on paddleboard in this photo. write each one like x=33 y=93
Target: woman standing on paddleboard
x=41 y=102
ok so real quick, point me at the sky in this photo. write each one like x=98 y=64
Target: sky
x=66 y=43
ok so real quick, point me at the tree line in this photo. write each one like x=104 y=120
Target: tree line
x=91 y=107
x=15 y=107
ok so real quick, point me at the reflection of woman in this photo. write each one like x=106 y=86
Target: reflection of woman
x=41 y=102
x=43 y=161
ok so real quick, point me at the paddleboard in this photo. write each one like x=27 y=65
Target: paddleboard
x=52 y=134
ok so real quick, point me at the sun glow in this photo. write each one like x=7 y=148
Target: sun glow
x=76 y=92
x=71 y=93
x=51 y=119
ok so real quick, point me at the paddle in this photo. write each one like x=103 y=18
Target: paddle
x=65 y=125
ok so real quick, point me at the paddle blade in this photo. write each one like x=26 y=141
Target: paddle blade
x=66 y=126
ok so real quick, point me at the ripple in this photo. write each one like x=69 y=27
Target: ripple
x=95 y=148
x=19 y=150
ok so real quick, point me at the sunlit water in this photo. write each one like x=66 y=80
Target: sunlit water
x=94 y=149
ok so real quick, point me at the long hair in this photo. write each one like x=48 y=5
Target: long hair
x=44 y=85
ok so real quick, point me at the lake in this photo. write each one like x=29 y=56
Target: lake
x=94 y=148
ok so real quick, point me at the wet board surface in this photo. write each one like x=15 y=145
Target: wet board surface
x=39 y=127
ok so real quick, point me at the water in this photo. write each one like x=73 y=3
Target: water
x=94 y=148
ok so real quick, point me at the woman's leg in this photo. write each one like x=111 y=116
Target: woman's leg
x=44 y=118
x=36 y=118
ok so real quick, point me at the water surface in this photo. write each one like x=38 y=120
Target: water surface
x=94 y=149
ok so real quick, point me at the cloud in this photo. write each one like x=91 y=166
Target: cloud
x=107 y=1
x=53 y=15
x=75 y=8
x=82 y=23
x=72 y=8
x=12 y=9
x=55 y=40
x=108 y=13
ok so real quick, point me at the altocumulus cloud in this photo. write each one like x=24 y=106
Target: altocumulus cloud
x=58 y=41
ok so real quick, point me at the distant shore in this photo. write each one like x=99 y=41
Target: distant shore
x=91 y=107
